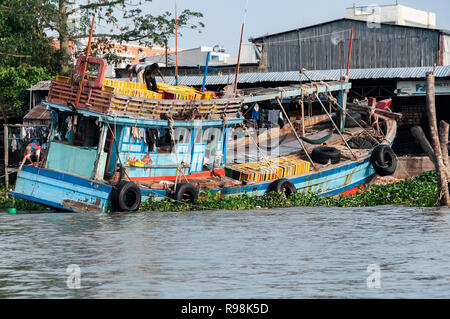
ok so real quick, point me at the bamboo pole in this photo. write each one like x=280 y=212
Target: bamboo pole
x=176 y=44
x=239 y=54
x=421 y=139
x=443 y=136
x=444 y=195
x=6 y=150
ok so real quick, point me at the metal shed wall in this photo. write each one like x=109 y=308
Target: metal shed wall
x=325 y=47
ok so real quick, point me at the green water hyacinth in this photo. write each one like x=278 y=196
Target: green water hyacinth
x=416 y=192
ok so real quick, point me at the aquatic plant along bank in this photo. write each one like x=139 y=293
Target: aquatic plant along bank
x=420 y=191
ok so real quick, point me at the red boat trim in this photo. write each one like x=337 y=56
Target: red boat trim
x=354 y=190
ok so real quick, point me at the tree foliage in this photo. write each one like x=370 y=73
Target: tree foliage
x=28 y=28
x=14 y=85
x=22 y=38
x=26 y=54
x=119 y=20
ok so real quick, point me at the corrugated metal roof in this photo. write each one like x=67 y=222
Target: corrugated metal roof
x=294 y=76
x=40 y=86
x=325 y=75
x=39 y=112
x=340 y=20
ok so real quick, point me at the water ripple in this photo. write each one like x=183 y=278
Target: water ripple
x=285 y=253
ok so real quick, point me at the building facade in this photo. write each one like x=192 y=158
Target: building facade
x=375 y=45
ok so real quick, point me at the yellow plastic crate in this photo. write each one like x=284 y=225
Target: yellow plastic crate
x=263 y=171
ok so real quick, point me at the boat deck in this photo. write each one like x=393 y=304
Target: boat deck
x=290 y=146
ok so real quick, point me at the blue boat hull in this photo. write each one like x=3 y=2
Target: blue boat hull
x=61 y=191
x=67 y=192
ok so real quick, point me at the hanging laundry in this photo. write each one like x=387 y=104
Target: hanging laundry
x=151 y=138
x=23 y=132
x=147 y=160
x=69 y=134
x=54 y=117
x=255 y=112
x=14 y=144
x=135 y=133
x=75 y=123
x=81 y=124
x=273 y=115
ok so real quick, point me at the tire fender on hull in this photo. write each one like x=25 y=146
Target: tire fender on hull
x=126 y=196
x=324 y=154
x=283 y=186
x=185 y=193
x=384 y=160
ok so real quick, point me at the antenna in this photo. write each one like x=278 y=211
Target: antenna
x=176 y=45
x=240 y=47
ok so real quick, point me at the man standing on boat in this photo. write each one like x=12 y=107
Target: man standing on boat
x=32 y=154
x=138 y=70
x=150 y=76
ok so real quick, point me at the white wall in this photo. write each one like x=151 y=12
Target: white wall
x=446 y=49
x=414 y=17
x=395 y=14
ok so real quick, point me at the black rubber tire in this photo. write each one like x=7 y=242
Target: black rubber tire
x=283 y=186
x=353 y=121
x=185 y=193
x=126 y=196
x=323 y=155
x=384 y=160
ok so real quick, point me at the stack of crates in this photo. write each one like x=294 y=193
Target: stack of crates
x=179 y=92
x=182 y=92
x=129 y=88
x=280 y=167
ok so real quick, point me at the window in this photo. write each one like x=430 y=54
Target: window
x=205 y=136
x=165 y=141
x=183 y=135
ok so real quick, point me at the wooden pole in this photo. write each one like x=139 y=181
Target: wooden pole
x=350 y=52
x=444 y=195
x=239 y=54
x=295 y=132
x=176 y=45
x=421 y=139
x=6 y=150
x=85 y=64
x=443 y=136
x=303 y=118
x=101 y=145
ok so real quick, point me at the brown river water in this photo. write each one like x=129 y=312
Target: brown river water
x=383 y=252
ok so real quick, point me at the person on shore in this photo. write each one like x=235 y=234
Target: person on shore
x=138 y=70
x=32 y=155
x=150 y=76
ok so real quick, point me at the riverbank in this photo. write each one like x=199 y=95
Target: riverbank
x=17 y=203
x=420 y=191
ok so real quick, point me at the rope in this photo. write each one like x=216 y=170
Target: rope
x=179 y=168
x=295 y=132
x=131 y=139
x=333 y=100
x=259 y=149
x=150 y=190
x=334 y=124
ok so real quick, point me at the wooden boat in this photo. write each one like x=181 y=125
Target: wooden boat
x=126 y=145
